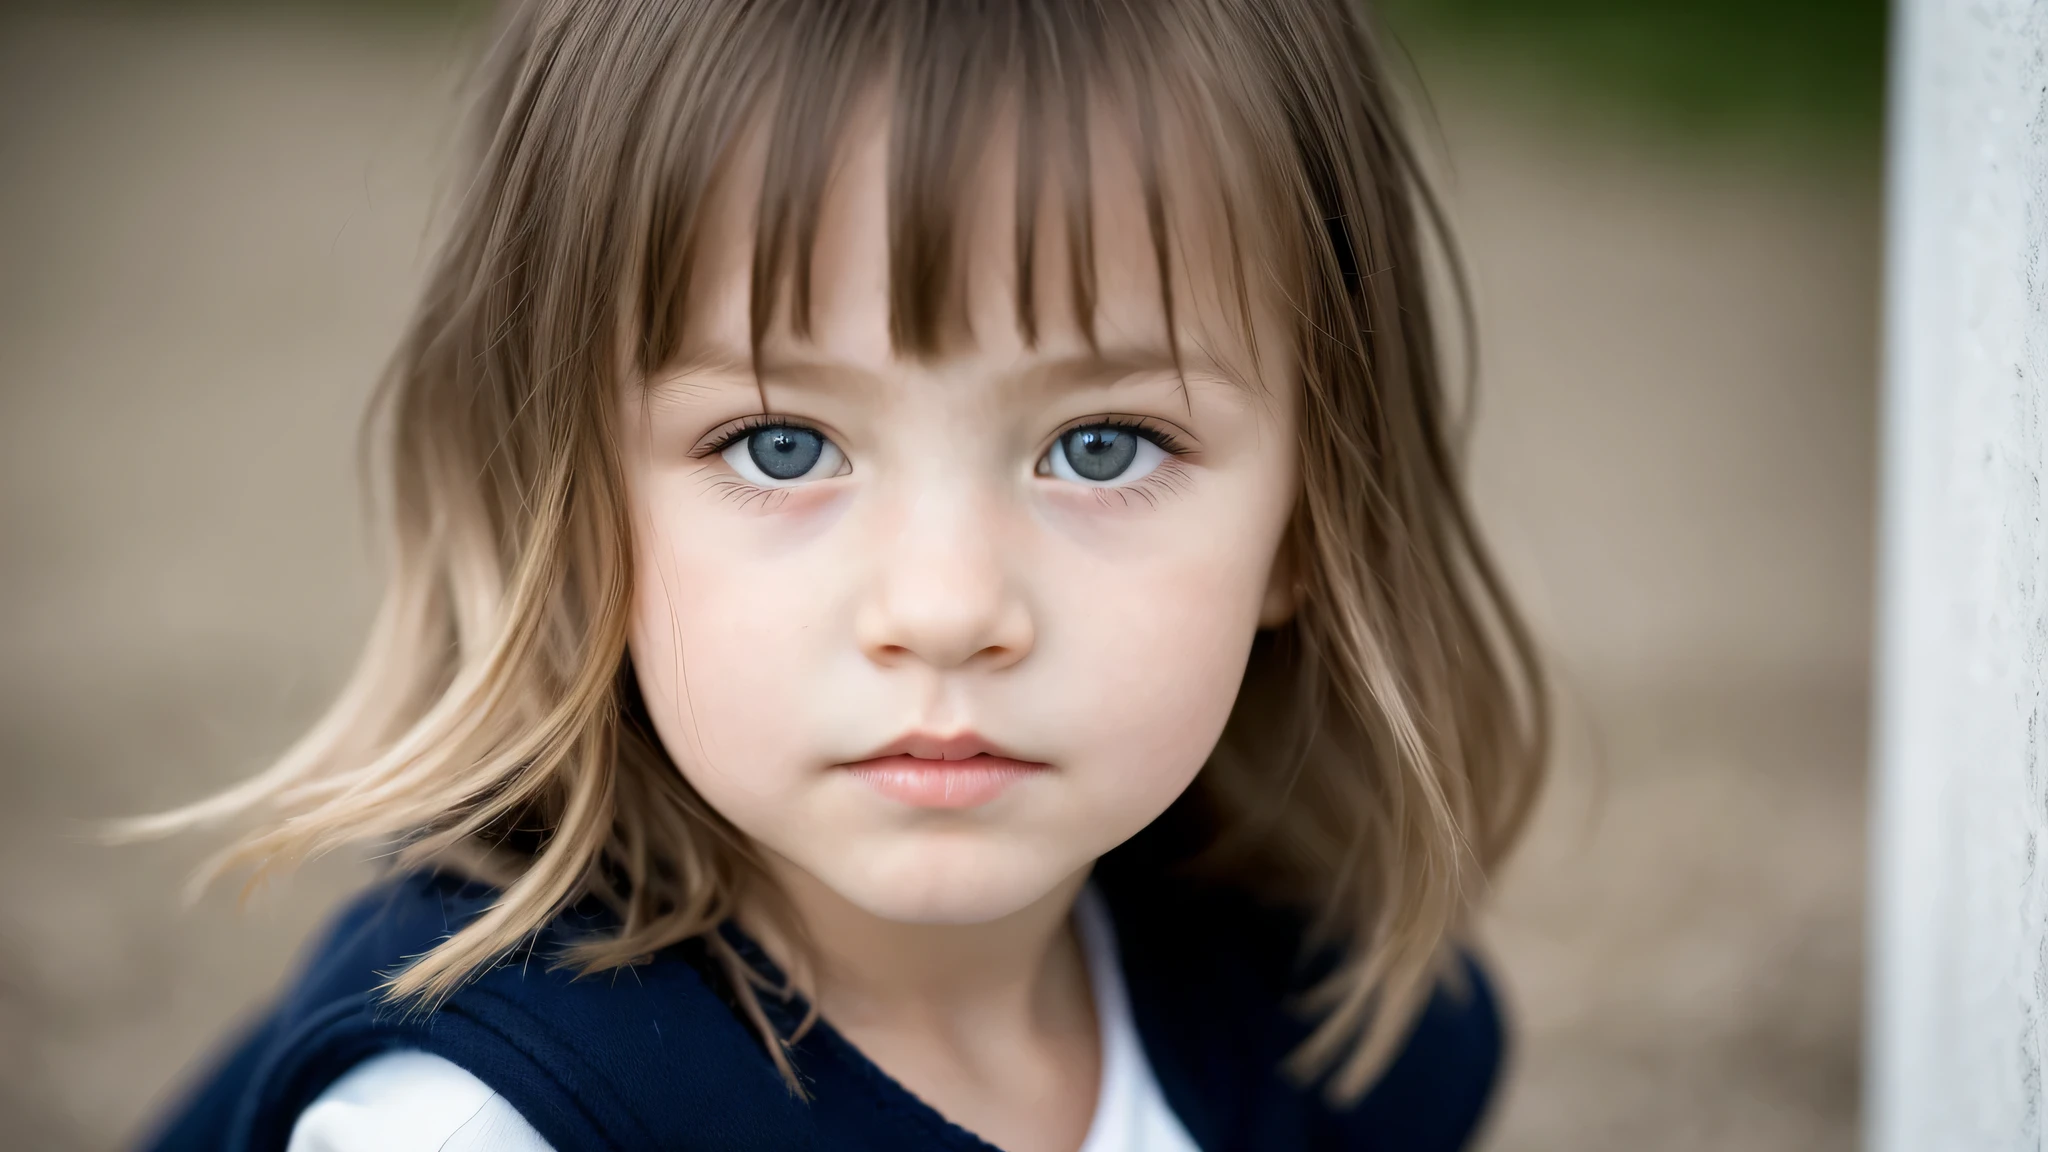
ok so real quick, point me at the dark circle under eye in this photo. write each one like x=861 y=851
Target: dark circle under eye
x=785 y=452
x=1100 y=451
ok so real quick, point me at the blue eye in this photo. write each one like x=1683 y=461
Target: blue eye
x=779 y=455
x=1104 y=454
x=785 y=453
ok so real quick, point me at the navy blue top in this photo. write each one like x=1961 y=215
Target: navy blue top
x=656 y=1056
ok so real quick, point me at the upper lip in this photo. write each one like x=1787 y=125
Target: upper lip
x=929 y=746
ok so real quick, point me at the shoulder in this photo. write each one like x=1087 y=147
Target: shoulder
x=1211 y=972
x=1436 y=1092
x=589 y=1061
x=411 y=1101
x=324 y=1021
x=382 y=929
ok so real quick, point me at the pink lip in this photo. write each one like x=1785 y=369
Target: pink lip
x=927 y=771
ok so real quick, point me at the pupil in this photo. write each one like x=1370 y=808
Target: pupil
x=1100 y=452
x=785 y=453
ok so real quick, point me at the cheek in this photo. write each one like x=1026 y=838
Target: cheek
x=716 y=645
x=1150 y=650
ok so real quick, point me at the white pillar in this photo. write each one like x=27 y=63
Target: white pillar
x=1959 y=977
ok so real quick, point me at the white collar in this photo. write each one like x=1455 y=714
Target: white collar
x=1131 y=1114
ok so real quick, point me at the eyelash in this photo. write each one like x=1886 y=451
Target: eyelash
x=725 y=439
x=1165 y=479
x=1150 y=429
x=733 y=488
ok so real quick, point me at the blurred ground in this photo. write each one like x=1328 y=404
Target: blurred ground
x=210 y=227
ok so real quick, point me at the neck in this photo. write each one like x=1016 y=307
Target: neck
x=1022 y=969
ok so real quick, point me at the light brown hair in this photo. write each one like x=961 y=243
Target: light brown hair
x=1387 y=743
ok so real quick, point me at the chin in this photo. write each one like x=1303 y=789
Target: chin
x=947 y=883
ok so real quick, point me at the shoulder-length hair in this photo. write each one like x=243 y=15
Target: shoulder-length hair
x=1388 y=742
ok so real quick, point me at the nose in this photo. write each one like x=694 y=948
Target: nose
x=942 y=594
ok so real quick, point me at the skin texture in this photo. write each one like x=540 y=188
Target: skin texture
x=941 y=581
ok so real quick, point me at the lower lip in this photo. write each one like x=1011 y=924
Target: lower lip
x=942 y=783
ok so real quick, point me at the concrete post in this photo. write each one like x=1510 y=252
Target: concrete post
x=1959 y=978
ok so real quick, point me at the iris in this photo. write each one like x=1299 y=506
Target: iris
x=1100 y=452
x=1105 y=455
x=785 y=452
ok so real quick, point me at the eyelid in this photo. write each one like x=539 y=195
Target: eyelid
x=1172 y=440
x=722 y=437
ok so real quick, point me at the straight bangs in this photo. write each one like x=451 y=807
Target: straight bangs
x=1059 y=82
x=1388 y=742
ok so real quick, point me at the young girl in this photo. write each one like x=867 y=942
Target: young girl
x=931 y=608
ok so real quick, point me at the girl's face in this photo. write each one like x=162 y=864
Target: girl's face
x=1047 y=559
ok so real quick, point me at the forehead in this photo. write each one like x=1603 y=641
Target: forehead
x=1125 y=248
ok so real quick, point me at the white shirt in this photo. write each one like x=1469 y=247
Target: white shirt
x=409 y=1101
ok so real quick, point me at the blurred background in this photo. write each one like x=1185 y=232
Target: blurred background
x=212 y=220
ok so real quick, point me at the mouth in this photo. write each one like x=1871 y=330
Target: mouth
x=924 y=771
